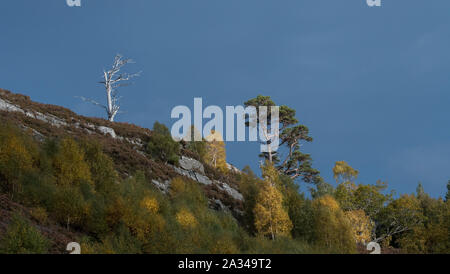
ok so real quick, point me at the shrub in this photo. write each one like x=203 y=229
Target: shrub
x=119 y=241
x=186 y=219
x=187 y=193
x=70 y=207
x=38 y=190
x=70 y=165
x=22 y=238
x=101 y=166
x=16 y=158
x=150 y=204
x=161 y=145
x=39 y=214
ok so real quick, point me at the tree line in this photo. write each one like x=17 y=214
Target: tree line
x=74 y=184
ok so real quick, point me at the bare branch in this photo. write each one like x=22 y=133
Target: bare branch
x=91 y=101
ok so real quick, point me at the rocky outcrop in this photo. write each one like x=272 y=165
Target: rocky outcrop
x=55 y=121
x=221 y=194
x=107 y=130
x=163 y=186
x=231 y=191
x=233 y=168
x=195 y=170
x=5 y=105
x=191 y=164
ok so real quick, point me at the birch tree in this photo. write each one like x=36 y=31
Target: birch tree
x=401 y=215
x=215 y=151
x=271 y=219
x=113 y=79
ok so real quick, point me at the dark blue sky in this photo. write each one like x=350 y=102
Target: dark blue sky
x=372 y=84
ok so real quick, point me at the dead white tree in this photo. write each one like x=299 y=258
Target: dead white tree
x=112 y=80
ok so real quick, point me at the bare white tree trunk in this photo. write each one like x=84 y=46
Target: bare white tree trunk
x=112 y=80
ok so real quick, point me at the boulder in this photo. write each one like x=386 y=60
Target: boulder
x=107 y=130
x=191 y=164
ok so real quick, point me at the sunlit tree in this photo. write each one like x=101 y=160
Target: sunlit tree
x=271 y=219
x=361 y=225
x=332 y=228
x=70 y=165
x=215 y=151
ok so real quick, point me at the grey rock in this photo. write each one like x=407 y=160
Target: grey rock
x=231 y=191
x=107 y=130
x=7 y=106
x=191 y=164
x=55 y=121
x=163 y=186
x=135 y=141
x=202 y=179
x=193 y=175
x=233 y=168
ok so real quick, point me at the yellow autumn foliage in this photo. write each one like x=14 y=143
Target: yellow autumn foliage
x=361 y=225
x=271 y=219
x=70 y=164
x=328 y=202
x=14 y=156
x=150 y=204
x=215 y=151
x=331 y=227
x=186 y=219
x=343 y=172
x=142 y=225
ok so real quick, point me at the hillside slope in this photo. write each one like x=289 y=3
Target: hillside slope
x=124 y=143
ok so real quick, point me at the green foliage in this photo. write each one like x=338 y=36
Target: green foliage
x=187 y=193
x=299 y=209
x=70 y=165
x=23 y=238
x=198 y=147
x=37 y=190
x=69 y=206
x=332 y=229
x=102 y=168
x=17 y=158
x=75 y=184
x=343 y=172
x=432 y=233
x=370 y=198
x=399 y=217
x=249 y=185
x=119 y=242
x=161 y=145
x=322 y=189
x=420 y=192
